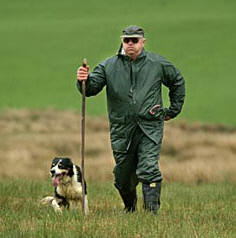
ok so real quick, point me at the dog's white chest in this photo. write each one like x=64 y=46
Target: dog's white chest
x=71 y=191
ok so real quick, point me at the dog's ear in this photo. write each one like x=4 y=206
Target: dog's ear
x=71 y=172
x=69 y=164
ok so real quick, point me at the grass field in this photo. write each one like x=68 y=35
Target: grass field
x=187 y=211
x=42 y=43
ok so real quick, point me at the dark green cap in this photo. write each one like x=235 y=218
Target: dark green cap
x=133 y=31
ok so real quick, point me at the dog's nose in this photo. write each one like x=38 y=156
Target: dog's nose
x=52 y=171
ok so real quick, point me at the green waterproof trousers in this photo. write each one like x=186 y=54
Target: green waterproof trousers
x=138 y=164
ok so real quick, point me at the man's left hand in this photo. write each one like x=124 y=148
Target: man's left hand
x=167 y=118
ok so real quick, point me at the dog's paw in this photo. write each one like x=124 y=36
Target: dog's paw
x=47 y=200
x=56 y=207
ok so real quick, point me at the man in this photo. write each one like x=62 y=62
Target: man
x=133 y=80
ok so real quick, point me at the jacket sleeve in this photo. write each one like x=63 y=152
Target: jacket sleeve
x=173 y=79
x=95 y=82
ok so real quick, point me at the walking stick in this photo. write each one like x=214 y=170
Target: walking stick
x=84 y=64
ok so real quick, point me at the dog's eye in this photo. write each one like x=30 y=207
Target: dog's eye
x=61 y=166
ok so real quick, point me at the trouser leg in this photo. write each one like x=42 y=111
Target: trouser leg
x=152 y=196
x=148 y=172
x=126 y=179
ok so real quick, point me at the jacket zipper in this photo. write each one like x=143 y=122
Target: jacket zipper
x=132 y=91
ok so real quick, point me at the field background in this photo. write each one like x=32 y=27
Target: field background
x=41 y=45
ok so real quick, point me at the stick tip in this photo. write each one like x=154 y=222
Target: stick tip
x=84 y=62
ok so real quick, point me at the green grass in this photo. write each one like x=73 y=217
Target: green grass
x=43 y=42
x=205 y=210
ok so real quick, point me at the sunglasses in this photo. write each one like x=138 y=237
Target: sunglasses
x=135 y=40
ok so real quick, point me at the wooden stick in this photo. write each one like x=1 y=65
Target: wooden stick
x=84 y=64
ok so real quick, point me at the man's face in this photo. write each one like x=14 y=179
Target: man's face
x=133 y=46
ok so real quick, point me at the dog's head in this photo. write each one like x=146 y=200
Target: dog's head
x=61 y=170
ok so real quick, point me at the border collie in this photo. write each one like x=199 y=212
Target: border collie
x=67 y=180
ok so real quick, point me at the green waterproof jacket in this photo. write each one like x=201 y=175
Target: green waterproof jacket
x=134 y=95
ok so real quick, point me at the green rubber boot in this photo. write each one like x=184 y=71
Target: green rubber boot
x=152 y=196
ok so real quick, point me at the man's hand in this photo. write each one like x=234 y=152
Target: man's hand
x=82 y=73
x=167 y=118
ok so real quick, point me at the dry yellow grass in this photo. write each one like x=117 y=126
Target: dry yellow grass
x=191 y=153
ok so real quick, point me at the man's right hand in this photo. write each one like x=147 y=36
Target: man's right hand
x=82 y=73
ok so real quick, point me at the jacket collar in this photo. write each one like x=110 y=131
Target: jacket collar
x=122 y=54
x=142 y=54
